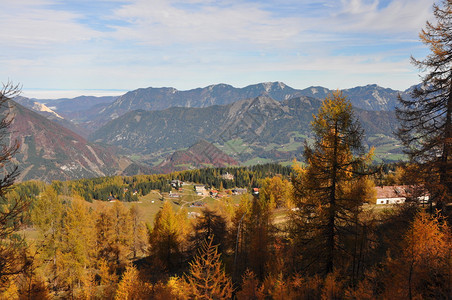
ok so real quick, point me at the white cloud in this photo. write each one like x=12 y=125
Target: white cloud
x=34 y=24
x=399 y=16
x=163 y=22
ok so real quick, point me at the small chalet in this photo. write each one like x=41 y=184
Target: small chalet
x=173 y=195
x=200 y=190
x=227 y=176
x=176 y=183
x=239 y=191
x=193 y=214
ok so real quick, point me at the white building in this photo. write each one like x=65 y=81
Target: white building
x=200 y=190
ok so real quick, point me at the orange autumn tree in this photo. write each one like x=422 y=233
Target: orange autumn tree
x=131 y=286
x=423 y=270
x=207 y=278
x=168 y=236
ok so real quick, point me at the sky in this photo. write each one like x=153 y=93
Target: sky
x=66 y=48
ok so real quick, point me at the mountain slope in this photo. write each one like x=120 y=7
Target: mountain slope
x=199 y=155
x=83 y=110
x=50 y=114
x=48 y=151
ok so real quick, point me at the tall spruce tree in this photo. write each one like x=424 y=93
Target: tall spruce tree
x=325 y=190
x=426 y=129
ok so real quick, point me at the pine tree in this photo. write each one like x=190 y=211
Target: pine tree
x=207 y=279
x=251 y=287
x=114 y=234
x=324 y=189
x=276 y=191
x=261 y=237
x=139 y=234
x=426 y=120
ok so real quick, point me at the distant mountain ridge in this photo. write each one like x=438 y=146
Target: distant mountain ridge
x=270 y=126
x=369 y=97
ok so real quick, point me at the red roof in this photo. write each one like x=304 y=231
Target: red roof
x=393 y=191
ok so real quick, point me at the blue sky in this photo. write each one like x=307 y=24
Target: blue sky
x=58 y=48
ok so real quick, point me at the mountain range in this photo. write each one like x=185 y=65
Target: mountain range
x=247 y=129
x=91 y=113
x=152 y=126
x=370 y=97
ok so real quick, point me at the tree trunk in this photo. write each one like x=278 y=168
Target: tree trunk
x=332 y=208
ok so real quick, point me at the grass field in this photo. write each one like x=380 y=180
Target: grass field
x=256 y=161
x=150 y=204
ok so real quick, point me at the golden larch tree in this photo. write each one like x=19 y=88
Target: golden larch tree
x=207 y=278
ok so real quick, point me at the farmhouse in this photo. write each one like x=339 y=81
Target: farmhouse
x=200 y=190
x=398 y=194
x=391 y=194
